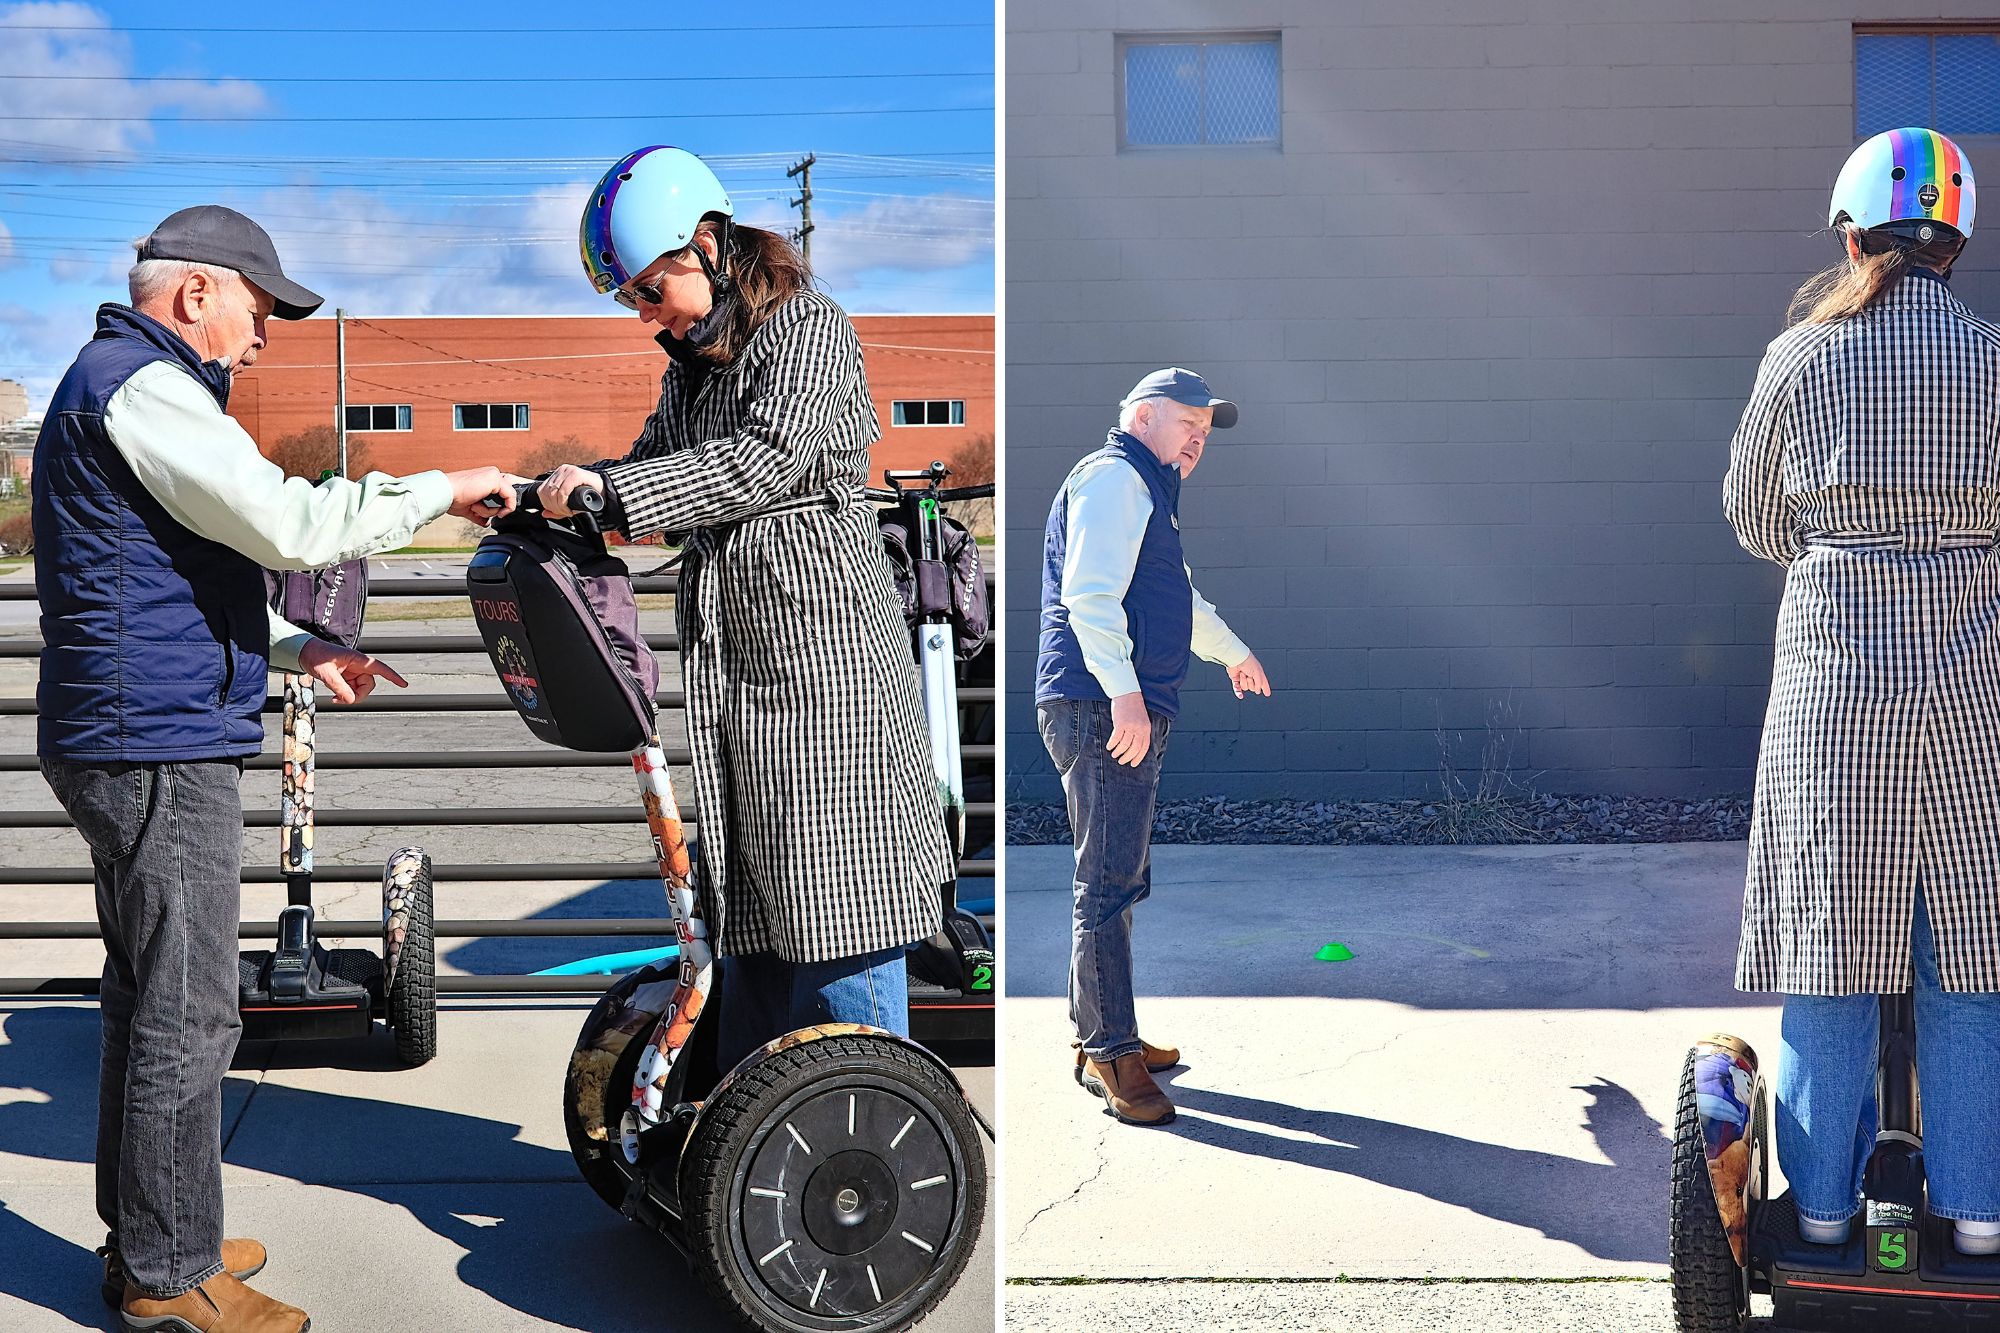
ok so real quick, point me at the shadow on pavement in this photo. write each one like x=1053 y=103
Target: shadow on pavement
x=1561 y=1197
x=452 y=1172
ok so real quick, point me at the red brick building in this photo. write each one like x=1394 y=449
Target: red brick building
x=460 y=392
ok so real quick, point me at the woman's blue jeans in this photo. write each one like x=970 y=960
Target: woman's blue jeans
x=765 y=996
x=1826 y=1094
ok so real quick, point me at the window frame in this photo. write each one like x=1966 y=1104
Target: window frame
x=523 y=416
x=1124 y=41
x=954 y=408
x=1930 y=28
x=405 y=417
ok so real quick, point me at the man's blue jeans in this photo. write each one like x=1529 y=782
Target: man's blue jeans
x=765 y=996
x=1826 y=1094
x=1111 y=822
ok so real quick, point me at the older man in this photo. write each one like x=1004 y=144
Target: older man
x=153 y=512
x=1120 y=620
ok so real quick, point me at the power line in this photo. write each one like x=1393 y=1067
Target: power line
x=599 y=80
x=489 y=120
x=571 y=31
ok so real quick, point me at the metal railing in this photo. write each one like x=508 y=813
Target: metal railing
x=976 y=705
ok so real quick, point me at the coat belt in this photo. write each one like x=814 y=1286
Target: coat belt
x=1911 y=539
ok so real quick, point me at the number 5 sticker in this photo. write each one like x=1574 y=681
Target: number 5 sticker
x=1892 y=1249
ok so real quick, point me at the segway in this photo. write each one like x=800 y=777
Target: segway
x=834 y=1178
x=951 y=974
x=1899 y=1268
x=301 y=989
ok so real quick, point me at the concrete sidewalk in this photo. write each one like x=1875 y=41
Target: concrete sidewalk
x=442 y=1199
x=1483 y=1093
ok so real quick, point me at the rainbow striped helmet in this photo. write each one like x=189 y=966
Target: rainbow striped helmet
x=646 y=206
x=1907 y=181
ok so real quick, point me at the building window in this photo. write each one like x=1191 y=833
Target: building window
x=489 y=416
x=928 y=412
x=1947 y=80
x=378 y=416
x=1204 y=89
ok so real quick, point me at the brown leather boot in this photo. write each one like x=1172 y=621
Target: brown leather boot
x=1128 y=1089
x=243 y=1258
x=1159 y=1059
x=220 y=1305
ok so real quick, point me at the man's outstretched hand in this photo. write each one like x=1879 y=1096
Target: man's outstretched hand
x=1247 y=677
x=348 y=675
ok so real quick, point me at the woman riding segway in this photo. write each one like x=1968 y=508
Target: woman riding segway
x=823 y=843
x=1868 y=465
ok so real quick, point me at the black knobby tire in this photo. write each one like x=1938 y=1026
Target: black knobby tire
x=924 y=1239
x=591 y=1112
x=1710 y=1295
x=412 y=1006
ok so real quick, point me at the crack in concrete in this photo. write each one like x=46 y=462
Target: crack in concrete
x=1103 y=1161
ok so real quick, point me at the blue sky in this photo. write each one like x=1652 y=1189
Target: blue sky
x=432 y=159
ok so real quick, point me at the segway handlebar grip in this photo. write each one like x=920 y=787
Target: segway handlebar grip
x=585 y=504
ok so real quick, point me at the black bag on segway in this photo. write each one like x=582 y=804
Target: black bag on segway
x=327 y=603
x=562 y=626
x=955 y=585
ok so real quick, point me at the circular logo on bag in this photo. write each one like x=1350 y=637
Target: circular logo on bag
x=525 y=689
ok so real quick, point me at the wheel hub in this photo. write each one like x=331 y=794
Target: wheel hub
x=847 y=1201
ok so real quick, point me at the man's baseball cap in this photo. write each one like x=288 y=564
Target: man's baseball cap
x=212 y=234
x=1183 y=386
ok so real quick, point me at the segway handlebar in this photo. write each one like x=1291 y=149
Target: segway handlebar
x=585 y=503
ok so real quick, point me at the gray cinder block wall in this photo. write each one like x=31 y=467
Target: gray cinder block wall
x=1492 y=313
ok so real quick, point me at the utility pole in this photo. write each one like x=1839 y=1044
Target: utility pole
x=340 y=391
x=804 y=203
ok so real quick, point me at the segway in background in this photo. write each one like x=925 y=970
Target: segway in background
x=834 y=1178
x=1899 y=1268
x=301 y=989
x=937 y=571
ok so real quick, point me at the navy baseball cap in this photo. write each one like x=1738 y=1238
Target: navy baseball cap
x=212 y=234
x=1183 y=386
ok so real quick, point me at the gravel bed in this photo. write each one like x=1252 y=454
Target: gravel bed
x=1527 y=818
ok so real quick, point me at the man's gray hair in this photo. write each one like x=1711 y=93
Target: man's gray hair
x=153 y=278
x=1128 y=415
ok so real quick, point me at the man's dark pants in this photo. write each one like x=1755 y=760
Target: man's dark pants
x=166 y=841
x=1111 y=821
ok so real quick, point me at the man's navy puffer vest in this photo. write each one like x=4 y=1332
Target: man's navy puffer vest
x=155 y=638
x=1159 y=604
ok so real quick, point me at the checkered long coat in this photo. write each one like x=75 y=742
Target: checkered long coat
x=1868 y=464
x=821 y=834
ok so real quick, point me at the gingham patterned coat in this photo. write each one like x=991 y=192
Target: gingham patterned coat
x=1868 y=464
x=821 y=834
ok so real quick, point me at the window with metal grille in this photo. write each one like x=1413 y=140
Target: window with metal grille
x=1198 y=89
x=1943 y=77
x=378 y=416
x=928 y=412
x=489 y=416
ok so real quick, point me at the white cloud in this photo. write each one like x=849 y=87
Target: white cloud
x=114 y=113
x=8 y=257
x=925 y=233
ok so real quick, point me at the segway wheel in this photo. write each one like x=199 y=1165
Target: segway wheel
x=837 y=1184
x=594 y=1100
x=1711 y=1293
x=412 y=998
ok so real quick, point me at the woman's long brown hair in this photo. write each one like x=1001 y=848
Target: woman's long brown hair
x=767 y=271
x=1848 y=288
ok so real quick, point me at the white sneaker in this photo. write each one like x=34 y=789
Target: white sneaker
x=1824 y=1233
x=1977 y=1237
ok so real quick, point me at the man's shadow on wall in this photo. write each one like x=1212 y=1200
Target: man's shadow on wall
x=581 y=1267
x=1614 y=1210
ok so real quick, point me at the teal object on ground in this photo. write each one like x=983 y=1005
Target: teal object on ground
x=609 y=963
x=1335 y=952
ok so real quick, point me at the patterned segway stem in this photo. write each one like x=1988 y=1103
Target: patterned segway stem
x=295 y=823
x=697 y=963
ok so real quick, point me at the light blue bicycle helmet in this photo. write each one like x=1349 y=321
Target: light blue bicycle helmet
x=648 y=205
